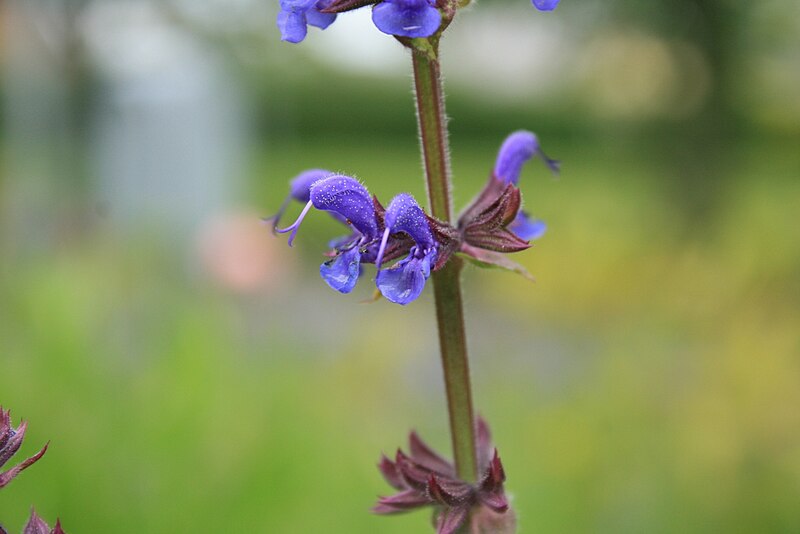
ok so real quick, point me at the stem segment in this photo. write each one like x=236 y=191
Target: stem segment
x=447 y=281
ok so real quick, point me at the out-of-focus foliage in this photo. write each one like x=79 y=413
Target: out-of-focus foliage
x=194 y=374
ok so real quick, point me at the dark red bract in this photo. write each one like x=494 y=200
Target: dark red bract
x=423 y=478
x=10 y=442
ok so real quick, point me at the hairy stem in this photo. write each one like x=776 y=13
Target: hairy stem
x=447 y=281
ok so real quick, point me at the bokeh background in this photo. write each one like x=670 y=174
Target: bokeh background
x=194 y=374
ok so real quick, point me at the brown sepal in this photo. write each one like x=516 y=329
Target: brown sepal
x=491 y=259
x=449 y=240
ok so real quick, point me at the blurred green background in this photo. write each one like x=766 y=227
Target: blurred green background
x=194 y=374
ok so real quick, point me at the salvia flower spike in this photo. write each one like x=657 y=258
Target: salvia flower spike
x=10 y=442
x=423 y=478
x=491 y=226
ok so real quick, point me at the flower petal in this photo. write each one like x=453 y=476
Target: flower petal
x=406 y=18
x=526 y=228
x=295 y=15
x=341 y=273
x=300 y=185
x=517 y=149
x=545 y=5
x=404 y=215
x=292 y=26
x=320 y=20
x=404 y=282
x=347 y=197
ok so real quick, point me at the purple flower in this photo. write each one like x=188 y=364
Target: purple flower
x=545 y=5
x=377 y=235
x=346 y=198
x=423 y=478
x=491 y=226
x=295 y=16
x=407 y=18
x=517 y=149
x=404 y=282
x=10 y=442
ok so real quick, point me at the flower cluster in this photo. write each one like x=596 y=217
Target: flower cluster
x=401 y=18
x=423 y=478
x=492 y=225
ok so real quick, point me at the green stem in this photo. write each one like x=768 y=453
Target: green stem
x=447 y=281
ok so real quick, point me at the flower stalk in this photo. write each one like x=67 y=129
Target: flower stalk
x=432 y=122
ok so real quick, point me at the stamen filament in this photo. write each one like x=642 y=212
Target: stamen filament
x=553 y=164
x=382 y=248
x=276 y=219
x=296 y=225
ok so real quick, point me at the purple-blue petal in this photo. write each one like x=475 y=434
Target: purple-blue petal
x=347 y=197
x=341 y=272
x=404 y=282
x=526 y=228
x=545 y=5
x=320 y=20
x=292 y=26
x=295 y=15
x=404 y=215
x=407 y=18
x=518 y=148
x=300 y=186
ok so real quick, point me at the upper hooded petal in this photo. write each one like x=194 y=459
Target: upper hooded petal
x=518 y=148
x=300 y=186
x=347 y=197
x=404 y=215
x=407 y=18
